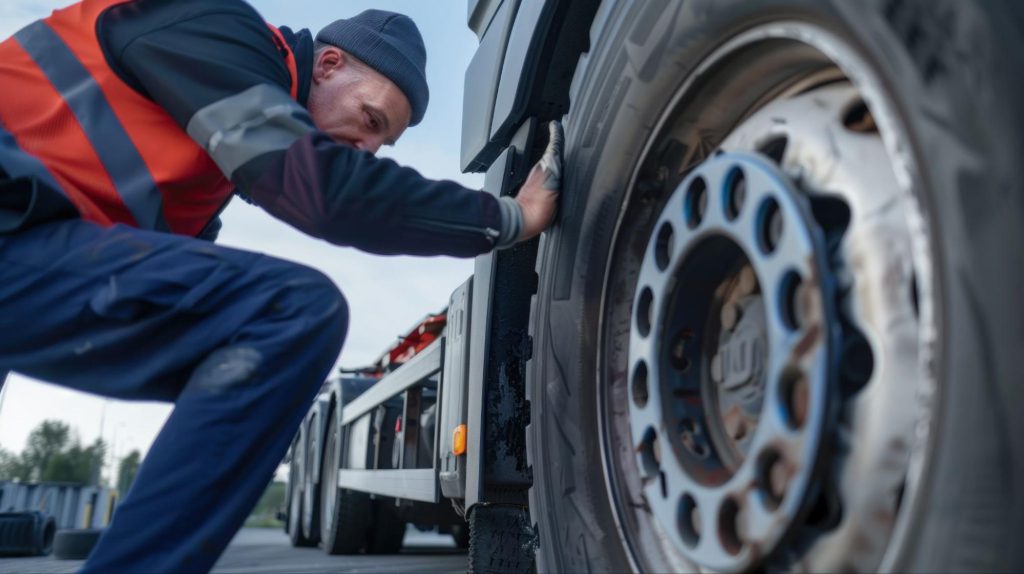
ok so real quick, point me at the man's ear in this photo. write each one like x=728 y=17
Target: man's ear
x=328 y=61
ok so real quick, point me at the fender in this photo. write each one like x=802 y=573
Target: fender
x=522 y=69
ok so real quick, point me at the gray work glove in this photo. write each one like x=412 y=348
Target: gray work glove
x=538 y=197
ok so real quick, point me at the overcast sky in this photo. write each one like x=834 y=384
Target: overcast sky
x=386 y=295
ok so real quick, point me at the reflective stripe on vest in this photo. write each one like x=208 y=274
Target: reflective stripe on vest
x=82 y=94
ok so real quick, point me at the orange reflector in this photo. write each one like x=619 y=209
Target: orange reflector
x=459 y=440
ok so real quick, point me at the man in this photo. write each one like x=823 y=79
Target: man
x=125 y=127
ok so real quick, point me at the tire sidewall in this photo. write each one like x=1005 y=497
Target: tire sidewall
x=328 y=480
x=623 y=86
x=310 y=486
x=295 y=505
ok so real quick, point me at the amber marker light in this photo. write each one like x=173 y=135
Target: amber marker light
x=459 y=440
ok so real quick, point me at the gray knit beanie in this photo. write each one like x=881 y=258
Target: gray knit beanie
x=389 y=43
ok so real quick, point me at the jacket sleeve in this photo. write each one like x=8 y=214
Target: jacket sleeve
x=217 y=71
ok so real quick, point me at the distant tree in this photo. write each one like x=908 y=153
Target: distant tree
x=127 y=471
x=52 y=454
x=45 y=441
x=13 y=467
x=7 y=460
x=76 y=464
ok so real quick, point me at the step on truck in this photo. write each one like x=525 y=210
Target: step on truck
x=776 y=326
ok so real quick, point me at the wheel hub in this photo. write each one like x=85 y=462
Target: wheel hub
x=738 y=366
x=729 y=359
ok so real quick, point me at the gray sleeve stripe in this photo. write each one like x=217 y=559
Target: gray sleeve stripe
x=262 y=119
x=511 y=221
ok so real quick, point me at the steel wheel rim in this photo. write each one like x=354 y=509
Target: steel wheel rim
x=716 y=508
x=915 y=243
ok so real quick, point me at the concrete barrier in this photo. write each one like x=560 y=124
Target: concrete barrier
x=70 y=505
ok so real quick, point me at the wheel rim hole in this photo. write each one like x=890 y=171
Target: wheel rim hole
x=769 y=226
x=915 y=301
x=650 y=453
x=775 y=148
x=689 y=521
x=643 y=311
x=790 y=294
x=773 y=477
x=729 y=527
x=640 y=393
x=735 y=193
x=663 y=246
x=696 y=204
x=858 y=118
x=796 y=395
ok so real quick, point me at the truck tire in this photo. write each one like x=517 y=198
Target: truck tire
x=501 y=540
x=925 y=90
x=388 y=528
x=75 y=544
x=295 y=496
x=343 y=518
x=310 y=490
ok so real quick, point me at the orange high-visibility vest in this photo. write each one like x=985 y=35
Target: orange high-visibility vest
x=118 y=156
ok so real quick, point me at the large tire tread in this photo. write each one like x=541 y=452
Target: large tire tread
x=295 y=480
x=500 y=540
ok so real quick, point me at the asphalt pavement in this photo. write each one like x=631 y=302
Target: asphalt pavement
x=268 y=551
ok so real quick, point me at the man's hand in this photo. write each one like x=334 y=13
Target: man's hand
x=539 y=195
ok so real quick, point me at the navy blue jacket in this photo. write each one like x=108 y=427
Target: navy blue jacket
x=202 y=61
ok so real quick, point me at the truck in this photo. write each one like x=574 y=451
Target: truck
x=776 y=325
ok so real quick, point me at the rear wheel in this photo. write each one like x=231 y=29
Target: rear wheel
x=310 y=492
x=774 y=213
x=344 y=513
x=295 y=482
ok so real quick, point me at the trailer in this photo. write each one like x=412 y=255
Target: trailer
x=371 y=454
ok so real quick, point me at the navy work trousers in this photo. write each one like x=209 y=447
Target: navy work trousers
x=240 y=342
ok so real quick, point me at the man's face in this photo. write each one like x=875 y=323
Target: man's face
x=355 y=104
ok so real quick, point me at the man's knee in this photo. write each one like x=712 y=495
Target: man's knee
x=305 y=309
x=316 y=298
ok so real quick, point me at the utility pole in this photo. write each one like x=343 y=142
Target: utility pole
x=113 y=455
x=97 y=466
x=3 y=389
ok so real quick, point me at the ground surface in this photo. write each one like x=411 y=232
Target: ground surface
x=267 y=551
